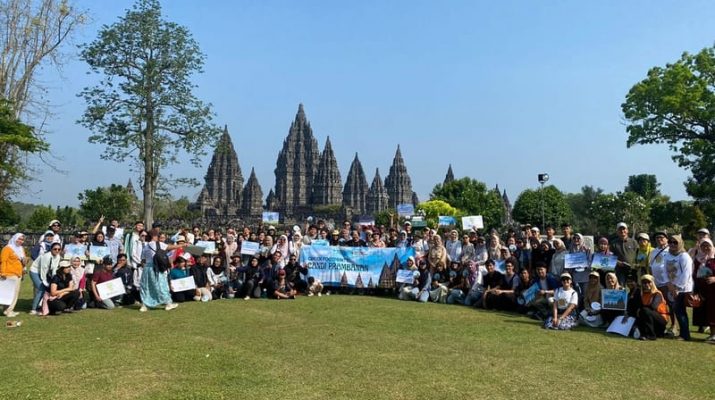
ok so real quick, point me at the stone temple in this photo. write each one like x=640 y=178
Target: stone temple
x=308 y=182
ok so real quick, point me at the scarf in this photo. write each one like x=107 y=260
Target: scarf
x=701 y=257
x=16 y=248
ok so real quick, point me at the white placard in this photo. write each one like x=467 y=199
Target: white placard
x=249 y=248
x=621 y=326
x=405 y=276
x=472 y=222
x=110 y=289
x=97 y=253
x=208 y=245
x=183 y=284
x=7 y=290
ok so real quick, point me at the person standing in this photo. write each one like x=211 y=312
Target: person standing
x=679 y=268
x=625 y=248
x=12 y=261
x=155 y=284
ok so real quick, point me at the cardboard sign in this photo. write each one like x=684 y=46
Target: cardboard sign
x=405 y=276
x=446 y=220
x=183 y=284
x=249 y=248
x=75 y=250
x=614 y=299
x=604 y=262
x=576 y=261
x=405 y=210
x=270 y=217
x=472 y=222
x=97 y=253
x=208 y=246
x=110 y=289
x=7 y=290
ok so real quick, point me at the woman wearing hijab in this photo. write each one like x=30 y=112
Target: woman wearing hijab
x=41 y=271
x=650 y=312
x=592 y=294
x=705 y=252
x=437 y=253
x=679 y=269
x=12 y=261
x=611 y=284
x=558 y=260
x=705 y=284
x=217 y=278
x=282 y=246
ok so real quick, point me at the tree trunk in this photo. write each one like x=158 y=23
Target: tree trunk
x=149 y=170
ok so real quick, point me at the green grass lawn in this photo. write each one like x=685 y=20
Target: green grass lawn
x=356 y=347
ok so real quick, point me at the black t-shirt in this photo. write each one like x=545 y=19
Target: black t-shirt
x=61 y=282
x=493 y=280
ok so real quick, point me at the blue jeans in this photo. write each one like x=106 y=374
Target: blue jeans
x=40 y=289
x=456 y=296
x=681 y=314
x=473 y=297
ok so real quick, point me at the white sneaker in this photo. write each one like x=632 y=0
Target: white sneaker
x=170 y=306
x=33 y=312
x=247 y=298
x=320 y=294
x=143 y=309
x=11 y=314
x=310 y=294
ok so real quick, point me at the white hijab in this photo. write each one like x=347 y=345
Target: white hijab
x=19 y=251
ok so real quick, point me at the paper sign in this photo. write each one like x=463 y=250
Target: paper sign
x=7 y=290
x=110 y=289
x=75 y=250
x=601 y=261
x=576 y=261
x=530 y=294
x=445 y=220
x=249 y=248
x=614 y=299
x=405 y=210
x=472 y=222
x=209 y=246
x=97 y=253
x=500 y=265
x=618 y=326
x=270 y=217
x=183 y=284
x=405 y=276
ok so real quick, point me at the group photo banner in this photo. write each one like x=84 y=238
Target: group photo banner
x=356 y=267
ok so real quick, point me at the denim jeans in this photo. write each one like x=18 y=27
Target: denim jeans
x=473 y=297
x=40 y=289
x=681 y=314
x=455 y=296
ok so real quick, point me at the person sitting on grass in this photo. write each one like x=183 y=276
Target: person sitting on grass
x=198 y=271
x=102 y=275
x=502 y=298
x=523 y=283
x=649 y=309
x=80 y=282
x=492 y=283
x=251 y=276
x=476 y=289
x=422 y=283
x=282 y=290
x=180 y=271
x=217 y=278
x=293 y=271
x=547 y=286
x=438 y=291
x=592 y=295
x=563 y=307
x=611 y=283
x=315 y=288
x=125 y=273
x=63 y=294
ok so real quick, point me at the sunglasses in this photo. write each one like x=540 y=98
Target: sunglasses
x=672 y=242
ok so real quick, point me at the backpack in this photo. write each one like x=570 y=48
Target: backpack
x=161 y=259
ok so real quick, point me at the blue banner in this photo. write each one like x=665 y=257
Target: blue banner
x=356 y=267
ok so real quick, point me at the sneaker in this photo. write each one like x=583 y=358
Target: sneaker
x=710 y=339
x=320 y=294
x=33 y=312
x=143 y=309
x=11 y=314
x=707 y=331
x=170 y=306
x=197 y=298
x=247 y=298
x=310 y=294
x=669 y=334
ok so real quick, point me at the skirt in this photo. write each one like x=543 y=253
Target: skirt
x=154 y=287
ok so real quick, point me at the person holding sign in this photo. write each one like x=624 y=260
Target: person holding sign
x=180 y=272
x=592 y=301
x=564 y=304
x=102 y=275
x=12 y=259
x=63 y=293
x=611 y=284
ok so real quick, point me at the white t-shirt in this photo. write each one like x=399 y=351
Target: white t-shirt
x=657 y=266
x=564 y=297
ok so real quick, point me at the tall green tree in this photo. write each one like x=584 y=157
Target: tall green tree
x=33 y=35
x=675 y=105
x=527 y=208
x=580 y=203
x=8 y=215
x=143 y=108
x=472 y=197
x=113 y=202
x=15 y=138
x=645 y=185
x=40 y=219
x=434 y=208
x=629 y=207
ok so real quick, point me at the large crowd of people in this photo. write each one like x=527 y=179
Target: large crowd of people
x=521 y=271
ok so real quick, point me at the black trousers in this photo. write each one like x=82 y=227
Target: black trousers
x=650 y=323
x=61 y=304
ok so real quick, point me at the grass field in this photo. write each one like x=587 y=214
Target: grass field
x=355 y=347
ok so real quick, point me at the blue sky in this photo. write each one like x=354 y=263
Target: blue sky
x=501 y=90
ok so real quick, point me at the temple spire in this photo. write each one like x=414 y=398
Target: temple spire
x=449 y=177
x=398 y=183
x=221 y=194
x=377 y=197
x=355 y=190
x=327 y=184
x=252 y=197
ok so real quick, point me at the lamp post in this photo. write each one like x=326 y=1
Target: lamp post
x=543 y=178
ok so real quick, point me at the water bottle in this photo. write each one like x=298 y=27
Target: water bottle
x=264 y=294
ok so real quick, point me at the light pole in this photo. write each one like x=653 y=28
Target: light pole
x=543 y=178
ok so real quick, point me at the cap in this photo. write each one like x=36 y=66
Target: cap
x=660 y=233
x=595 y=273
x=703 y=230
x=565 y=275
x=271 y=228
x=65 y=264
x=535 y=228
x=621 y=225
x=408 y=223
x=54 y=221
x=180 y=238
x=643 y=236
x=336 y=232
